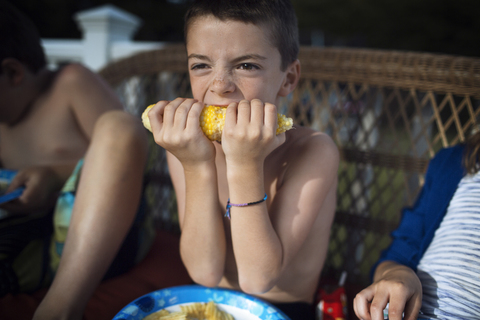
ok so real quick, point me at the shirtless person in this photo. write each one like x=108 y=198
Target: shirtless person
x=51 y=123
x=243 y=55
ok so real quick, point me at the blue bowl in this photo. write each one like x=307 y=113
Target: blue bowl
x=240 y=305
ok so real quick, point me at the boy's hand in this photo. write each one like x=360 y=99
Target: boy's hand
x=398 y=286
x=41 y=190
x=250 y=131
x=176 y=127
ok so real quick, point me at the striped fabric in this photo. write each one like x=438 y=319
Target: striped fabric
x=450 y=269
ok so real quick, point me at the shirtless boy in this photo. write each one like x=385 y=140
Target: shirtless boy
x=49 y=121
x=243 y=55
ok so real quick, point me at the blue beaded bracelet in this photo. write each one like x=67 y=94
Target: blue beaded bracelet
x=229 y=205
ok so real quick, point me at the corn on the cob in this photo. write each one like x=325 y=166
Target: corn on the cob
x=145 y=120
x=196 y=310
x=212 y=121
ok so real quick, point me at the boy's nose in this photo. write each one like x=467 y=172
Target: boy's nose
x=222 y=85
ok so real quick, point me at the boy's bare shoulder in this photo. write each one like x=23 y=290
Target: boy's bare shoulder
x=304 y=140
x=74 y=74
x=304 y=148
x=86 y=93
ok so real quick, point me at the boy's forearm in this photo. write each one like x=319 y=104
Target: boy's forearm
x=257 y=247
x=203 y=243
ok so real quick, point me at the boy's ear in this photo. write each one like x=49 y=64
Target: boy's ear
x=14 y=70
x=291 y=79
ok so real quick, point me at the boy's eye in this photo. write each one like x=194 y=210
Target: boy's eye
x=198 y=66
x=248 y=66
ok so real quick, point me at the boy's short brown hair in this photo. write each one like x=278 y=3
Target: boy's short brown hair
x=277 y=15
x=19 y=38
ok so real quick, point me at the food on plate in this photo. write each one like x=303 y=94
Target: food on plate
x=193 y=311
x=212 y=121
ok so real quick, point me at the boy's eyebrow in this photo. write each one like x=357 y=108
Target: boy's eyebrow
x=197 y=56
x=236 y=60
x=249 y=57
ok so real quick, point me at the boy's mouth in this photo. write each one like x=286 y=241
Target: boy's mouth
x=216 y=105
x=221 y=104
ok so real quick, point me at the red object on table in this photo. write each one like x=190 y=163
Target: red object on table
x=333 y=305
x=332 y=301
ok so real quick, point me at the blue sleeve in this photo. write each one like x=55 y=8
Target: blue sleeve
x=408 y=237
x=418 y=223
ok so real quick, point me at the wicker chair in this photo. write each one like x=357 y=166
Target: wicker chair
x=389 y=112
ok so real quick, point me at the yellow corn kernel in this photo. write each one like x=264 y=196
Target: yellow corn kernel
x=212 y=121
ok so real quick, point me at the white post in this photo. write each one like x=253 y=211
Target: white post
x=101 y=27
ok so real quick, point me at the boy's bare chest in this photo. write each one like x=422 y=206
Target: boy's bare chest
x=48 y=134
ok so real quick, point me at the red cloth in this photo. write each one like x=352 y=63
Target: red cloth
x=161 y=268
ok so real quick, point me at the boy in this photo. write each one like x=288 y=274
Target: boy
x=51 y=123
x=243 y=55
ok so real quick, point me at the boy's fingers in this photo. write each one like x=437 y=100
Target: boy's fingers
x=169 y=112
x=271 y=116
x=378 y=304
x=412 y=308
x=404 y=304
x=243 y=112
x=155 y=115
x=18 y=181
x=361 y=304
x=181 y=113
x=257 y=112
x=362 y=310
x=396 y=306
x=231 y=116
x=193 y=116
